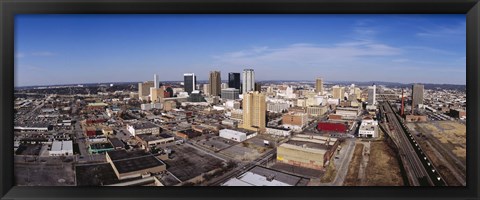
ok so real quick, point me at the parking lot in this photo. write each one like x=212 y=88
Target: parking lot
x=188 y=162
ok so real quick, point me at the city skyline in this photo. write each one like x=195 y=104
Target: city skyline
x=130 y=48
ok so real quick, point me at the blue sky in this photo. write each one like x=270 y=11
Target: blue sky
x=63 y=49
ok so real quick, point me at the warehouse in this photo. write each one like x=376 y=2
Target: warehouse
x=149 y=140
x=261 y=176
x=312 y=152
x=143 y=128
x=134 y=164
x=233 y=135
x=61 y=148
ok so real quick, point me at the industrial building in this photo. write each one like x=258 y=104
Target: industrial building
x=61 y=148
x=150 y=140
x=143 y=128
x=284 y=132
x=347 y=112
x=307 y=151
x=261 y=176
x=236 y=135
x=133 y=164
x=328 y=126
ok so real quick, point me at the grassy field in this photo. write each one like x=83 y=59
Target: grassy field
x=383 y=167
x=352 y=175
x=329 y=174
x=451 y=134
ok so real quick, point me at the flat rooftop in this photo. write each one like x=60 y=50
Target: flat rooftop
x=150 y=137
x=126 y=162
x=144 y=125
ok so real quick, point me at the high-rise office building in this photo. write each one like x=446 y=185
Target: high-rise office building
x=190 y=82
x=319 y=86
x=338 y=92
x=234 y=80
x=248 y=81
x=254 y=111
x=372 y=92
x=417 y=95
x=215 y=83
x=144 y=89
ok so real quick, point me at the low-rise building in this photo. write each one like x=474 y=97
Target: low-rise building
x=134 y=164
x=307 y=151
x=295 y=121
x=284 y=132
x=368 y=128
x=236 y=135
x=150 y=140
x=143 y=128
x=61 y=148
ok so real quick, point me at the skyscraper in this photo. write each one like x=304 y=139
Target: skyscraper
x=155 y=81
x=417 y=95
x=248 y=81
x=189 y=81
x=254 y=111
x=319 y=86
x=215 y=83
x=372 y=92
x=234 y=80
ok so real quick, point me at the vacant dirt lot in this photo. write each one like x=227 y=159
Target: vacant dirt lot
x=383 y=167
x=352 y=175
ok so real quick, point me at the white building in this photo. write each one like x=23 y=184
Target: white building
x=233 y=135
x=331 y=101
x=279 y=131
x=149 y=106
x=61 y=148
x=277 y=107
x=368 y=129
x=143 y=128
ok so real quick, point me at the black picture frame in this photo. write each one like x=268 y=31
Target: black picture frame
x=9 y=8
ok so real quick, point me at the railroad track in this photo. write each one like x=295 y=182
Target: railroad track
x=421 y=170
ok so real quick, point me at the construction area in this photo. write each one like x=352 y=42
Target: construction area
x=444 y=142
